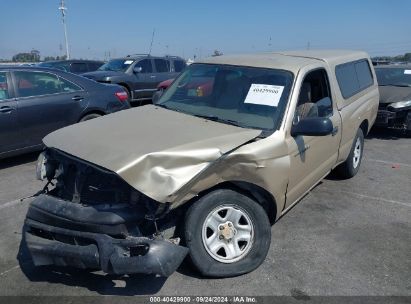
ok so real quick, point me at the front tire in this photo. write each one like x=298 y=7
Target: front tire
x=351 y=166
x=227 y=233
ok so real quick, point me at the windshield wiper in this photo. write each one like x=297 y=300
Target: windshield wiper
x=218 y=119
x=396 y=85
x=162 y=105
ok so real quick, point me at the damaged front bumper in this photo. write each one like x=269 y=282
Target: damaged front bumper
x=58 y=232
x=399 y=119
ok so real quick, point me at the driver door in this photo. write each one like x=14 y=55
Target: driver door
x=10 y=131
x=312 y=157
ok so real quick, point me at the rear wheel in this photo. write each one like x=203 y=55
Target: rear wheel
x=228 y=234
x=90 y=116
x=352 y=165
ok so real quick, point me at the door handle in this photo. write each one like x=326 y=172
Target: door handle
x=334 y=131
x=6 y=109
x=152 y=76
x=77 y=98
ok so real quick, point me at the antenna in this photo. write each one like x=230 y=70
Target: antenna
x=63 y=9
x=152 y=39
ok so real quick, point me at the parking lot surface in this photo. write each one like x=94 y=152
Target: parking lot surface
x=346 y=237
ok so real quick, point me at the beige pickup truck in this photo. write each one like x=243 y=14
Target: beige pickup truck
x=229 y=147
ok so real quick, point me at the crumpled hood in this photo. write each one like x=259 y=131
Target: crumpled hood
x=155 y=150
x=101 y=75
x=390 y=94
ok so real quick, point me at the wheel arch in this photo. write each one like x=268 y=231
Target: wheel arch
x=364 y=126
x=253 y=191
x=99 y=112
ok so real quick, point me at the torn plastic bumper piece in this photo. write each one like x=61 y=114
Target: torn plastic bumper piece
x=58 y=232
x=50 y=245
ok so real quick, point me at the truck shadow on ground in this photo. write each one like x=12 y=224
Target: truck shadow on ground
x=18 y=160
x=101 y=283
x=387 y=134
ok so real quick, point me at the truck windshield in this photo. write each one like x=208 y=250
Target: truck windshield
x=117 y=65
x=400 y=77
x=243 y=96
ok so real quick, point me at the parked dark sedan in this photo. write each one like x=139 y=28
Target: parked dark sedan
x=73 y=65
x=394 y=83
x=36 y=101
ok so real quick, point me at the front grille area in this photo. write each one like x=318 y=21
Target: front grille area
x=84 y=183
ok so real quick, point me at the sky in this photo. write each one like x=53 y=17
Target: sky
x=98 y=29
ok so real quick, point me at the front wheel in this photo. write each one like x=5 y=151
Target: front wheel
x=352 y=165
x=227 y=233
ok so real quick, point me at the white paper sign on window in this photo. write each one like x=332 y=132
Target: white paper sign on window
x=128 y=62
x=407 y=72
x=264 y=94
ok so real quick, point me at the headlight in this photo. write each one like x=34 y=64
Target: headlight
x=400 y=104
x=45 y=168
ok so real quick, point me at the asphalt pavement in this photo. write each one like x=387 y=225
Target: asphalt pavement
x=346 y=237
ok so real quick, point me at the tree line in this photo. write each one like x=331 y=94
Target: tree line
x=34 y=56
x=399 y=58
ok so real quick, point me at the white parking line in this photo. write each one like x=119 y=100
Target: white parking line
x=12 y=203
x=12 y=268
x=387 y=162
x=370 y=197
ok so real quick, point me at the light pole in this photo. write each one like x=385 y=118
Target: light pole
x=63 y=16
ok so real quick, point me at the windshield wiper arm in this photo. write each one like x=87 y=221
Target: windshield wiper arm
x=395 y=85
x=216 y=118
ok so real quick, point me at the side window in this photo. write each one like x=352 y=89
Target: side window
x=68 y=87
x=315 y=96
x=162 y=65
x=364 y=74
x=78 y=67
x=353 y=77
x=4 y=92
x=179 y=65
x=92 y=66
x=36 y=83
x=145 y=65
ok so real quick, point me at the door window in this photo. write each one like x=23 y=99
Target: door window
x=145 y=66
x=179 y=65
x=315 y=96
x=78 y=67
x=92 y=66
x=162 y=66
x=4 y=92
x=36 y=83
x=68 y=87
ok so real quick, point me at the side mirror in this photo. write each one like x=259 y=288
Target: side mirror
x=137 y=69
x=312 y=126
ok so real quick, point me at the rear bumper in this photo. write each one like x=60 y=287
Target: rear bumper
x=52 y=245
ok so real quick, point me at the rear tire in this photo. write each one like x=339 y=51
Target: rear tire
x=89 y=116
x=352 y=165
x=227 y=233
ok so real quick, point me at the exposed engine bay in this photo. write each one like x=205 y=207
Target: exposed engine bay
x=89 y=217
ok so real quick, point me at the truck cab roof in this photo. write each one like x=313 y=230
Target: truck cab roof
x=288 y=60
